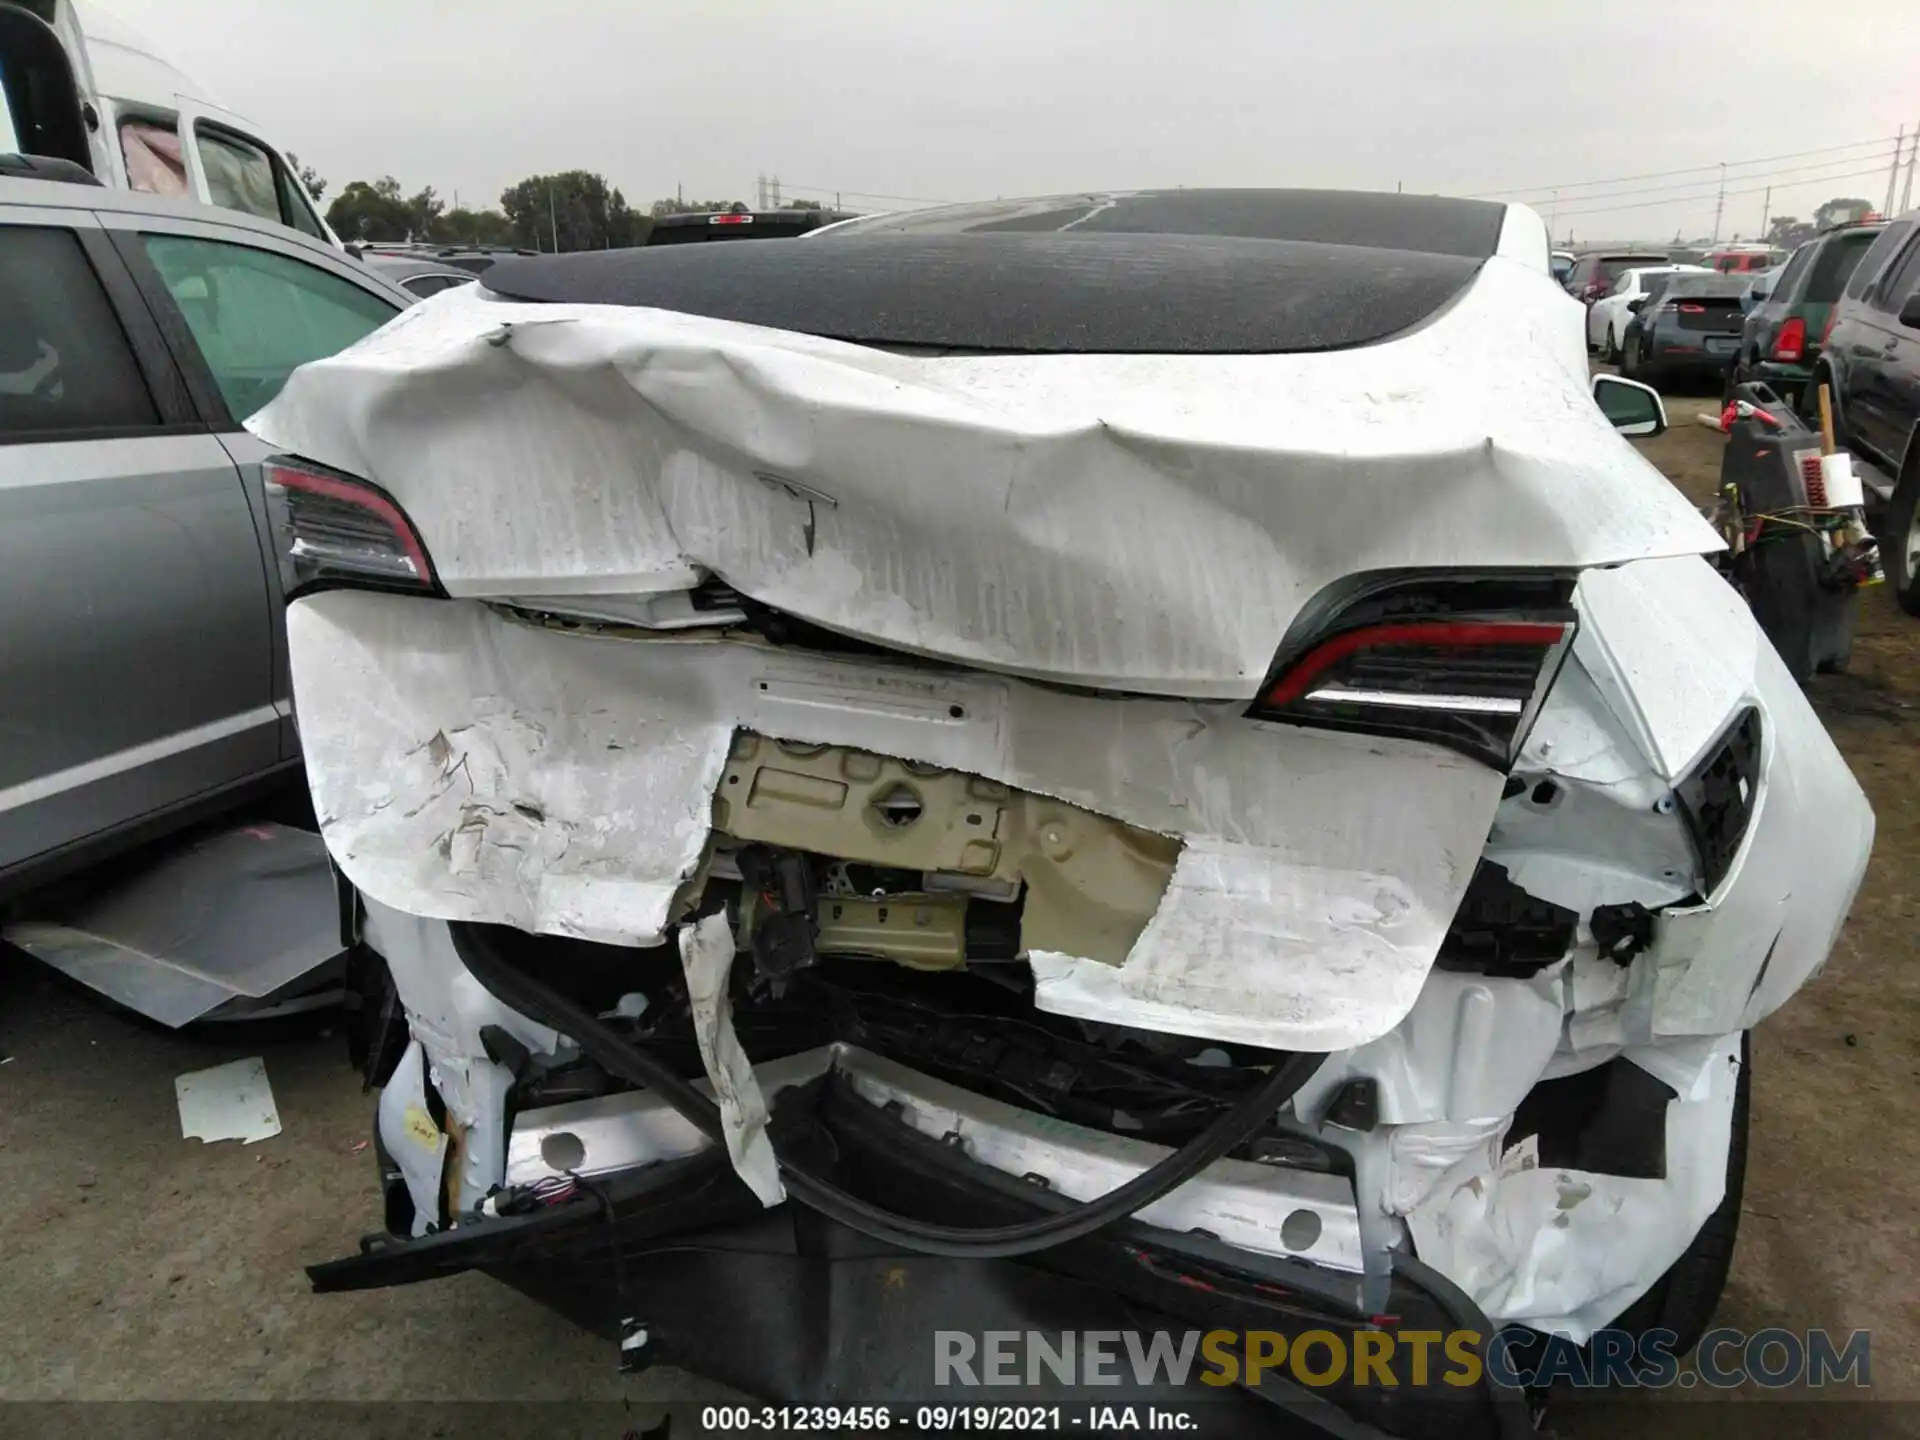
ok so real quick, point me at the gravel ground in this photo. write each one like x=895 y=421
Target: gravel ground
x=141 y=1266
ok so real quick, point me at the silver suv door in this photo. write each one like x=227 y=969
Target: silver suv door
x=242 y=308
x=136 y=638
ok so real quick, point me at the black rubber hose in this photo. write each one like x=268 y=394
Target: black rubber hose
x=622 y=1058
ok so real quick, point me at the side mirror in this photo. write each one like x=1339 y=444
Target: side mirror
x=1637 y=303
x=1910 y=312
x=1630 y=407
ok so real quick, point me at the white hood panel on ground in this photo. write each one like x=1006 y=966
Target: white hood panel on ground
x=1148 y=523
x=468 y=766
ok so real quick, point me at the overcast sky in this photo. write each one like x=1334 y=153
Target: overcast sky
x=962 y=99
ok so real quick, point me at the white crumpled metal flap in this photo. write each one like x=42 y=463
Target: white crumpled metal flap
x=468 y=766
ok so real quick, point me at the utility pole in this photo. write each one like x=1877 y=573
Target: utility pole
x=1899 y=143
x=1553 y=214
x=1719 y=204
x=1766 y=209
x=776 y=192
x=760 y=192
x=1906 y=191
x=553 y=222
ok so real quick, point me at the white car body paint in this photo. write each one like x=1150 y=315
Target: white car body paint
x=1146 y=524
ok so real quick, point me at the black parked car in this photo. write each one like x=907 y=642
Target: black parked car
x=1593 y=275
x=740 y=223
x=1871 y=360
x=1785 y=329
x=1686 y=327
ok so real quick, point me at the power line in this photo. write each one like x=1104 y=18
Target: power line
x=1521 y=190
x=1771 y=175
x=1709 y=194
x=868 y=194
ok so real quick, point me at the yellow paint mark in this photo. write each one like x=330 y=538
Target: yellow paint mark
x=421 y=1129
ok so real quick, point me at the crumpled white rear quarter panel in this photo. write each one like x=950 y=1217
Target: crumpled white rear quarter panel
x=1145 y=523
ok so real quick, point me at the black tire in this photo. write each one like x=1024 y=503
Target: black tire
x=1901 y=539
x=1609 y=350
x=1630 y=358
x=1683 y=1300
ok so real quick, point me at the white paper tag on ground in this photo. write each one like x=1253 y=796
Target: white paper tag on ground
x=228 y=1102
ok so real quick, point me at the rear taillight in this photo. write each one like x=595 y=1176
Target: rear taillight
x=1791 y=343
x=1689 y=307
x=1472 y=681
x=335 y=529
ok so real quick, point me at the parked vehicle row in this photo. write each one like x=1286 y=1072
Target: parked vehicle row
x=1594 y=275
x=1870 y=360
x=1842 y=311
x=1607 y=317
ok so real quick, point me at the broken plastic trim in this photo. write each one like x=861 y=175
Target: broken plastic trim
x=629 y=1062
x=1716 y=800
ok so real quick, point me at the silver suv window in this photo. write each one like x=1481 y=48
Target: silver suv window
x=66 y=369
x=257 y=315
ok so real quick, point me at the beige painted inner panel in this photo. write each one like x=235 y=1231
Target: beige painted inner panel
x=1092 y=881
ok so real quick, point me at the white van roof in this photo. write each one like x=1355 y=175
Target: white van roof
x=127 y=65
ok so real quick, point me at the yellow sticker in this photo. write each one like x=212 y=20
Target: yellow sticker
x=420 y=1127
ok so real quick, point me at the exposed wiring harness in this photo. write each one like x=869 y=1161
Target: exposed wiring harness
x=620 y=1057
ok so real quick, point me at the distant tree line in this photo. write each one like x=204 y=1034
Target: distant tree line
x=1786 y=232
x=570 y=210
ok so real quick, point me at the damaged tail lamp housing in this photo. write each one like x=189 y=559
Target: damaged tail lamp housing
x=333 y=529
x=1442 y=662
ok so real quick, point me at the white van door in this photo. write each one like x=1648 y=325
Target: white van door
x=45 y=84
x=229 y=165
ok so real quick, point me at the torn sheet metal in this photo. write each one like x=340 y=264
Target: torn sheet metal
x=1678 y=656
x=1568 y=1250
x=228 y=1102
x=467 y=765
x=1145 y=523
x=706 y=957
x=446 y=1011
x=237 y=915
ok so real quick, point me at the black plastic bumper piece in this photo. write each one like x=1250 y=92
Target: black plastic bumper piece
x=793 y=1308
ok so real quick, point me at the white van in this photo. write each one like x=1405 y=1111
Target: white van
x=80 y=85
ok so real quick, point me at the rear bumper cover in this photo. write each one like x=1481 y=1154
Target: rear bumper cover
x=792 y=1308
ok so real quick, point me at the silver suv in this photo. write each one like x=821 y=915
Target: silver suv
x=143 y=639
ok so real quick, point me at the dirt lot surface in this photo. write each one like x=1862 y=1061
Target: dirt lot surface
x=136 y=1265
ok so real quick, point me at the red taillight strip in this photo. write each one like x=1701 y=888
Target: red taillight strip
x=367 y=498
x=1438 y=634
